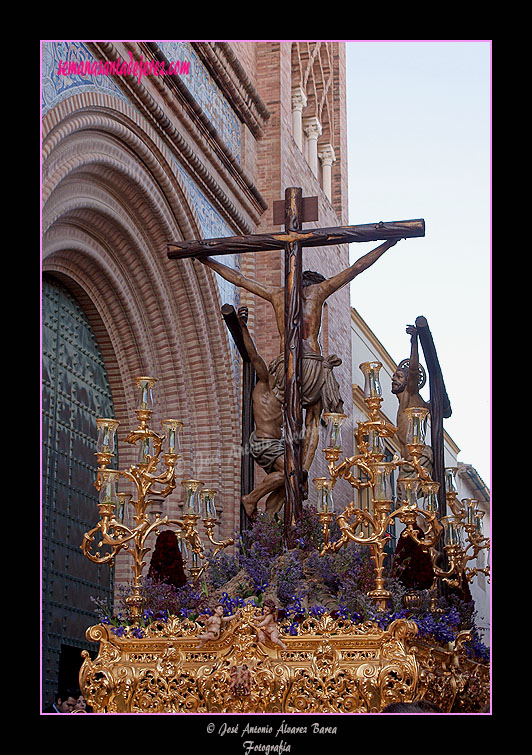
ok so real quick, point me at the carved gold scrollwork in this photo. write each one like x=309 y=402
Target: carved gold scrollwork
x=326 y=686
x=330 y=666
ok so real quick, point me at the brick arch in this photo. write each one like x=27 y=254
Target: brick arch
x=112 y=200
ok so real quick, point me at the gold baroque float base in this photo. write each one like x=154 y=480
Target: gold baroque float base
x=331 y=666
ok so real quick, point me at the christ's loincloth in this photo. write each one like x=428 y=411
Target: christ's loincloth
x=317 y=380
x=265 y=450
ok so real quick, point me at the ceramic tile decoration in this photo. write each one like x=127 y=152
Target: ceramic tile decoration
x=57 y=87
x=214 y=226
x=207 y=95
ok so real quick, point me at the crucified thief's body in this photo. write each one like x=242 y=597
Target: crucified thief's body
x=320 y=391
x=405 y=385
x=266 y=443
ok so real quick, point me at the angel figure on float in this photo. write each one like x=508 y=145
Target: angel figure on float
x=267 y=628
x=213 y=624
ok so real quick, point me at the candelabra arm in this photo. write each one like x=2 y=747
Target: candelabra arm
x=106 y=539
x=434 y=526
x=422 y=473
x=454 y=555
x=144 y=481
x=470 y=574
x=88 y=538
x=344 y=470
x=337 y=471
x=189 y=532
x=219 y=545
x=144 y=432
x=167 y=478
x=361 y=517
x=329 y=547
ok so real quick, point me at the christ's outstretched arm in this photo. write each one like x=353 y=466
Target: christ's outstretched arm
x=233 y=276
x=333 y=284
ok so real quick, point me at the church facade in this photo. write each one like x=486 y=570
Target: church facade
x=144 y=144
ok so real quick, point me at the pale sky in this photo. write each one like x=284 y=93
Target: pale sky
x=419 y=146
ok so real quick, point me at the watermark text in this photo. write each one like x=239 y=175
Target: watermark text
x=137 y=68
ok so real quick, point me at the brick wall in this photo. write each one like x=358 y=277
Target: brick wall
x=281 y=164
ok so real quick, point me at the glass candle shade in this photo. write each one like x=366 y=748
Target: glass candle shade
x=382 y=488
x=452 y=531
x=145 y=385
x=145 y=449
x=372 y=386
x=192 y=499
x=207 y=496
x=172 y=429
x=334 y=420
x=450 y=479
x=417 y=424
x=470 y=505
x=478 y=521
x=194 y=560
x=408 y=489
x=106 y=442
x=375 y=443
x=324 y=489
x=109 y=479
x=156 y=506
x=430 y=500
x=123 y=500
x=183 y=548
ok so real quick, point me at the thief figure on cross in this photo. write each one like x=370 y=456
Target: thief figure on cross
x=266 y=443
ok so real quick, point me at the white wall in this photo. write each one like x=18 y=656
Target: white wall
x=366 y=347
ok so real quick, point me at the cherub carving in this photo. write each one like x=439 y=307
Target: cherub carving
x=267 y=628
x=213 y=624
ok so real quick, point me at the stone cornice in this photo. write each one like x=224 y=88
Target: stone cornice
x=233 y=81
x=196 y=121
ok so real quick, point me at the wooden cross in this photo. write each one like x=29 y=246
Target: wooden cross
x=247 y=471
x=296 y=210
x=440 y=409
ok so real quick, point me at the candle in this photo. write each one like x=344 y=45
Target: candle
x=207 y=496
x=172 y=428
x=334 y=420
x=417 y=416
x=452 y=530
x=382 y=485
x=108 y=492
x=372 y=386
x=191 y=496
x=450 y=479
x=409 y=488
x=106 y=435
x=145 y=385
x=324 y=489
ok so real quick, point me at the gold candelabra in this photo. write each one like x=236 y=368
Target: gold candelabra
x=150 y=487
x=462 y=530
x=369 y=525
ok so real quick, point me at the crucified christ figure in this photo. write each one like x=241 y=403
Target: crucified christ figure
x=320 y=391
